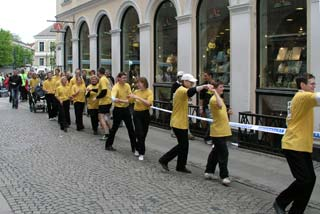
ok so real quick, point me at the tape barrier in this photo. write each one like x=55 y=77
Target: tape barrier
x=234 y=125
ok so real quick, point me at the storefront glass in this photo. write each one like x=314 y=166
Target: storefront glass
x=84 y=49
x=165 y=50
x=283 y=40
x=130 y=45
x=214 y=39
x=104 y=43
x=68 y=50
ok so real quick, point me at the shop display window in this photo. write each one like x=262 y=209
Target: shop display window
x=104 y=43
x=68 y=50
x=283 y=43
x=84 y=49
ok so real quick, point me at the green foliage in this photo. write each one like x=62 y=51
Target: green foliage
x=22 y=56
x=6 y=48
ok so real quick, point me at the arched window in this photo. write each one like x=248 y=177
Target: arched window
x=165 y=56
x=68 y=50
x=130 y=44
x=104 y=43
x=213 y=26
x=84 y=50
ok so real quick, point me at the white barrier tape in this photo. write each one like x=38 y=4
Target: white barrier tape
x=233 y=125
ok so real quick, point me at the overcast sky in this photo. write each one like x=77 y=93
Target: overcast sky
x=26 y=18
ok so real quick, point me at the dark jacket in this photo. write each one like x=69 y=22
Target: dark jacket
x=15 y=81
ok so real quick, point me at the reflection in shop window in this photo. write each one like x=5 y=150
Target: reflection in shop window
x=104 y=43
x=282 y=42
x=214 y=39
x=84 y=47
x=68 y=50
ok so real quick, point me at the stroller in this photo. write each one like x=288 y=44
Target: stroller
x=37 y=100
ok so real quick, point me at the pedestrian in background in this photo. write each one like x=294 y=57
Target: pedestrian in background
x=15 y=84
x=78 y=91
x=93 y=103
x=219 y=131
x=143 y=99
x=297 y=146
x=23 y=90
x=180 y=123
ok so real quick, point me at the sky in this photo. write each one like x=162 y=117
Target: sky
x=26 y=18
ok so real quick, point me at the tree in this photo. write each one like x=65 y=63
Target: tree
x=6 y=48
x=22 y=56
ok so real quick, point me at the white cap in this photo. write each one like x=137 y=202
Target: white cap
x=188 y=77
x=180 y=73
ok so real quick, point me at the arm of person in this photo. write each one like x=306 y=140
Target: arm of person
x=219 y=99
x=144 y=101
x=194 y=90
x=102 y=94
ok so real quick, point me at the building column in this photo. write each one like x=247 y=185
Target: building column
x=185 y=44
x=145 y=52
x=93 y=51
x=75 y=54
x=60 y=55
x=313 y=48
x=243 y=72
x=116 y=51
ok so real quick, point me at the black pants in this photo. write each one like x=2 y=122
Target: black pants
x=141 y=121
x=24 y=93
x=94 y=118
x=299 y=192
x=78 y=111
x=181 y=150
x=120 y=114
x=52 y=105
x=219 y=154
x=64 y=114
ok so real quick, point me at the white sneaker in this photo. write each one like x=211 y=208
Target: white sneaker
x=136 y=153
x=51 y=119
x=141 y=157
x=226 y=181
x=210 y=176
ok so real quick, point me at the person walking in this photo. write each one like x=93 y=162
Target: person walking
x=219 y=131
x=49 y=87
x=23 y=90
x=62 y=95
x=180 y=123
x=34 y=82
x=143 y=99
x=297 y=146
x=15 y=83
x=93 y=103
x=121 y=112
x=78 y=91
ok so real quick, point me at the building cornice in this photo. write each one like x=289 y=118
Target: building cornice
x=78 y=8
x=184 y=19
x=240 y=8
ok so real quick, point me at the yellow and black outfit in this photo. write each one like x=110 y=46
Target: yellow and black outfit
x=34 y=82
x=219 y=131
x=62 y=95
x=104 y=95
x=49 y=86
x=141 y=118
x=121 y=112
x=180 y=124
x=78 y=95
x=93 y=106
x=297 y=145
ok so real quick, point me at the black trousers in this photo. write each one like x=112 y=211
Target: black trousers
x=122 y=114
x=299 y=192
x=78 y=111
x=64 y=114
x=52 y=105
x=94 y=118
x=219 y=154
x=24 y=93
x=141 y=121
x=181 y=150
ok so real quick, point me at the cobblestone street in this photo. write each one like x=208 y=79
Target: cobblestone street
x=44 y=170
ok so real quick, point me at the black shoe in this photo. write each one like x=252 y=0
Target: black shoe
x=110 y=148
x=278 y=209
x=95 y=132
x=65 y=129
x=164 y=166
x=185 y=170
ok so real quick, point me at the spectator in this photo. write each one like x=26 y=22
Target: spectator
x=15 y=84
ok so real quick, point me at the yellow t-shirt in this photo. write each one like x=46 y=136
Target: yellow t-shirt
x=56 y=78
x=220 y=126
x=80 y=97
x=93 y=104
x=179 y=116
x=144 y=94
x=33 y=84
x=104 y=84
x=62 y=93
x=121 y=92
x=73 y=81
x=299 y=134
x=49 y=86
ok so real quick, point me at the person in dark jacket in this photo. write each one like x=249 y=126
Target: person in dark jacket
x=15 y=83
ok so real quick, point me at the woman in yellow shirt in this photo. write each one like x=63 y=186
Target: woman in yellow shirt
x=219 y=131
x=93 y=103
x=63 y=97
x=78 y=92
x=143 y=99
x=34 y=82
